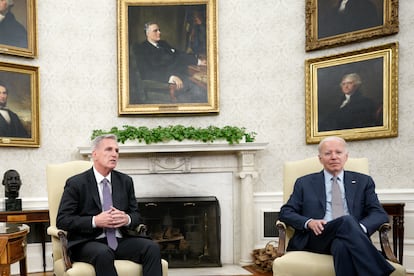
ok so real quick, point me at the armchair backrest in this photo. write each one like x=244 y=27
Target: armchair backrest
x=56 y=176
x=295 y=169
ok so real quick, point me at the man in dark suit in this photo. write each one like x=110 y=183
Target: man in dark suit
x=354 y=110
x=159 y=61
x=10 y=124
x=89 y=225
x=313 y=212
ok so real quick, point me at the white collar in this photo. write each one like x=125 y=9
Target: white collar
x=343 y=5
x=99 y=177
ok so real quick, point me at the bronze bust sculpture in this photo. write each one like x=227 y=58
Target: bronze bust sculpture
x=12 y=183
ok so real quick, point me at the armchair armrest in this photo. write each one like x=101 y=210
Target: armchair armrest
x=61 y=235
x=385 y=244
x=281 y=247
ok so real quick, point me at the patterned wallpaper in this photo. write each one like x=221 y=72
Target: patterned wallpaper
x=261 y=69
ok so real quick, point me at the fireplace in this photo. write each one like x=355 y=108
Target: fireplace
x=186 y=228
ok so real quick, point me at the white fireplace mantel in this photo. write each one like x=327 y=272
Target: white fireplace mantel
x=193 y=157
x=187 y=146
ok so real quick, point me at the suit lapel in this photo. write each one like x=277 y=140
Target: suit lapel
x=116 y=186
x=319 y=186
x=93 y=189
x=350 y=185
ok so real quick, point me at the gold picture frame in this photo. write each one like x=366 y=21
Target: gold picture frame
x=19 y=105
x=19 y=38
x=372 y=111
x=329 y=25
x=144 y=87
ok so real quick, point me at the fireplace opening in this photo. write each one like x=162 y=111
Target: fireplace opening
x=186 y=228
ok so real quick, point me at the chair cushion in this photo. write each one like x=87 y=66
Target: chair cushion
x=123 y=267
x=312 y=264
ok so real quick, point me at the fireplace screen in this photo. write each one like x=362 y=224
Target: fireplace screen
x=186 y=228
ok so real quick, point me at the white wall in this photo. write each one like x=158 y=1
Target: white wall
x=261 y=69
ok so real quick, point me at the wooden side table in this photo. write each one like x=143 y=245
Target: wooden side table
x=13 y=247
x=396 y=211
x=30 y=216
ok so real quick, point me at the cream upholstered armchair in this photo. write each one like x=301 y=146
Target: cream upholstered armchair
x=298 y=263
x=62 y=266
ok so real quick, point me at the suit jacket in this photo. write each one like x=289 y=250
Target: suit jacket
x=12 y=33
x=308 y=200
x=80 y=202
x=13 y=129
x=160 y=63
x=359 y=112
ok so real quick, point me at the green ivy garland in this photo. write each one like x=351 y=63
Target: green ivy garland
x=231 y=134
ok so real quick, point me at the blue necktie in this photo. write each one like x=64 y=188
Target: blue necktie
x=107 y=203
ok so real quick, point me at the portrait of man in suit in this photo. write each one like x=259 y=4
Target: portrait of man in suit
x=11 y=125
x=164 y=43
x=350 y=96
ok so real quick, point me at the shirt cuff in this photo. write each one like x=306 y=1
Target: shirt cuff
x=306 y=223
x=363 y=228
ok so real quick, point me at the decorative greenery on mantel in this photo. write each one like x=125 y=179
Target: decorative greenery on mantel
x=231 y=134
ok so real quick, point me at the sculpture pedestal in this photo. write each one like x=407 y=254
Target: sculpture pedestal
x=13 y=204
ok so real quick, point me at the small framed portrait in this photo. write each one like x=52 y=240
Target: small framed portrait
x=167 y=57
x=18 y=28
x=19 y=105
x=331 y=23
x=353 y=95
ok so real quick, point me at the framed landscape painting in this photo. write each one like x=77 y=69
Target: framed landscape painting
x=353 y=95
x=19 y=105
x=167 y=57
x=331 y=23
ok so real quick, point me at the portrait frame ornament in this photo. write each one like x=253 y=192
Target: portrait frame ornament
x=22 y=105
x=21 y=39
x=328 y=27
x=372 y=110
x=140 y=92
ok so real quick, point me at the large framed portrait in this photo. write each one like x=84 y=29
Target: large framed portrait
x=167 y=57
x=19 y=105
x=353 y=95
x=331 y=23
x=18 y=28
